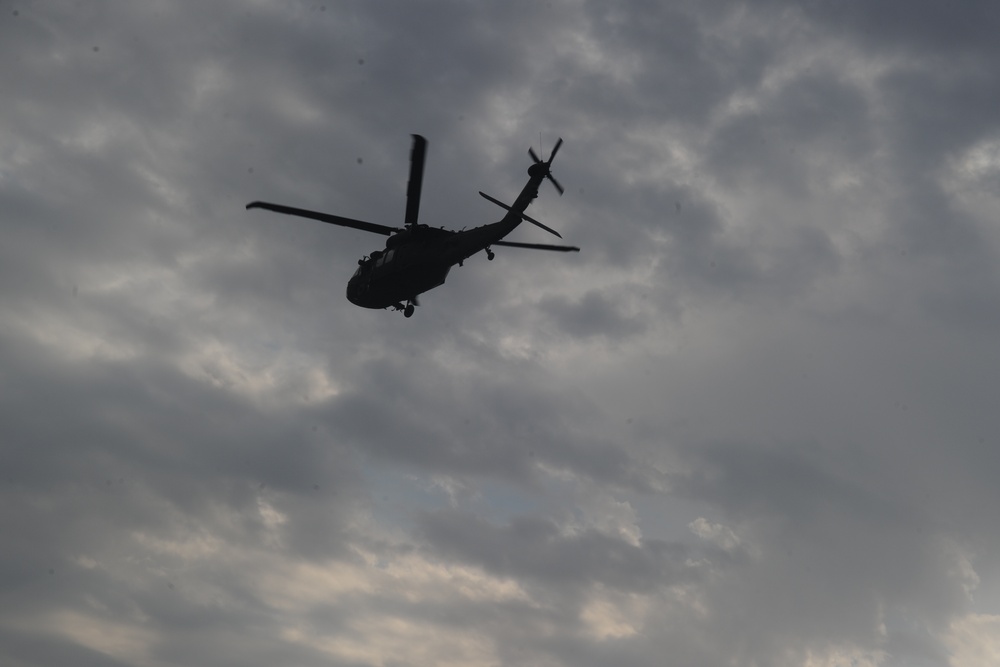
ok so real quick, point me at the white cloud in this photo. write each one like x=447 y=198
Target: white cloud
x=717 y=534
x=974 y=640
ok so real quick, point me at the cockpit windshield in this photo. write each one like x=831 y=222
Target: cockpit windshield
x=385 y=258
x=376 y=259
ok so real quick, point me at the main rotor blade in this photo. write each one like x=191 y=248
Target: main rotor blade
x=533 y=156
x=524 y=216
x=555 y=149
x=555 y=183
x=325 y=217
x=538 y=246
x=413 y=187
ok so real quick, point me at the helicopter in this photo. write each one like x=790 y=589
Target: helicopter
x=416 y=257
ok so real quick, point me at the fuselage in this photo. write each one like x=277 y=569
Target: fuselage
x=389 y=277
x=419 y=258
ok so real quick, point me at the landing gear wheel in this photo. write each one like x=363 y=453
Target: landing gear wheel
x=408 y=311
x=489 y=254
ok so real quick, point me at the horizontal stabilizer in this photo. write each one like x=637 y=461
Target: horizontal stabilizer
x=524 y=216
x=538 y=246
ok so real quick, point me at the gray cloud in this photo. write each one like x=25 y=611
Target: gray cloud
x=535 y=548
x=594 y=315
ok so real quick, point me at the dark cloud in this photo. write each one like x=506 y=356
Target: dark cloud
x=922 y=27
x=44 y=650
x=411 y=412
x=593 y=315
x=536 y=548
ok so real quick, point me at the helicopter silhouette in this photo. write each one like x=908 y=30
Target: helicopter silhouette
x=417 y=258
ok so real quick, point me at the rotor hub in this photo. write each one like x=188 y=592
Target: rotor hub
x=538 y=169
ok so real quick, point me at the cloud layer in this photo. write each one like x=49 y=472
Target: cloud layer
x=752 y=422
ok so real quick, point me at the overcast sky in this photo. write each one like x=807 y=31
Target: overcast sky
x=753 y=422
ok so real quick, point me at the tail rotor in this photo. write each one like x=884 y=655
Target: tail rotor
x=545 y=168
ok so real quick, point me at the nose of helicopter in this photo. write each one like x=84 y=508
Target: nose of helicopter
x=354 y=290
